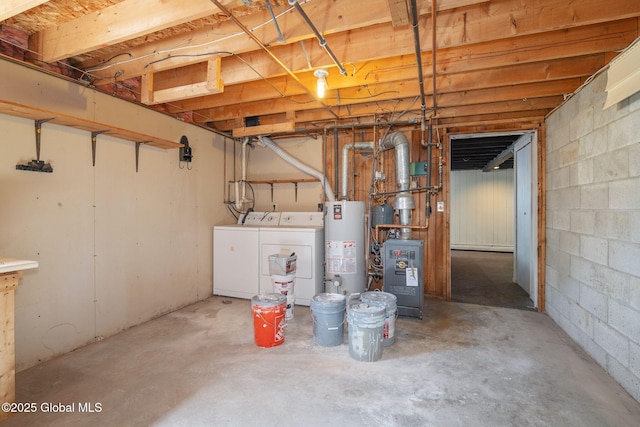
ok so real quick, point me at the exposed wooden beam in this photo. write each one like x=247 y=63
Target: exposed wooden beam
x=399 y=12
x=378 y=40
x=512 y=77
x=337 y=16
x=400 y=84
x=11 y=8
x=521 y=49
x=536 y=107
x=264 y=129
x=331 y=17
x=117 y=23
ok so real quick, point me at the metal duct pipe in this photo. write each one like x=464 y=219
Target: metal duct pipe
x=404 y=202
x=300 y=166
x=359 y=146
x=321 y=39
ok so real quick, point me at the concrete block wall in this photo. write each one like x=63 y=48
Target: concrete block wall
x=593 y=228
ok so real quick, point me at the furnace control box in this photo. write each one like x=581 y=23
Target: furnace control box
x=403 y=272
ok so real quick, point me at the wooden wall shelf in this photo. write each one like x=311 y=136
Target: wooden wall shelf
x=34 y=113
x=282 y=181
x=295 y=182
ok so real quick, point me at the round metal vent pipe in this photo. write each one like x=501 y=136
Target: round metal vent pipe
x=404 y=202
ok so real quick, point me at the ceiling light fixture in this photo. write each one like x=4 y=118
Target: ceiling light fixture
x=321 y=74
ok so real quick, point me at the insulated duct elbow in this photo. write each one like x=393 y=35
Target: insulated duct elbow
x=359 y=146
x=404 y=202
x=300 y=166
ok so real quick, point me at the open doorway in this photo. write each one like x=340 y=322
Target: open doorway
x=487 y=216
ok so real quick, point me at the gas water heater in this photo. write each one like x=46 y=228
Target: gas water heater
x=402 y=262
x=344 y=231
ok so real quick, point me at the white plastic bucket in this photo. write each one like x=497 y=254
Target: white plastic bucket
x=282 y=264
x=327 y=311
x=285 y=285
x=390 y=303
x=366 y=325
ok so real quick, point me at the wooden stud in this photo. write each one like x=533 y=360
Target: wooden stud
x=8 y=284
x=542 y=216
x=264 y=129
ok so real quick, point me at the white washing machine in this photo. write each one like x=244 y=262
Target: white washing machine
x=241 y=253
x=236 y=271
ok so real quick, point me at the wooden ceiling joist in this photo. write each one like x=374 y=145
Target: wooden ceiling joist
x=10 y=8
x=379 y=40
x=117 y=23
x=399 y=12
x=502 y=61
x=286 y=127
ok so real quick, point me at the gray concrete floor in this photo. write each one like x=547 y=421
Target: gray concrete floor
x=462 y=365
x=486 y=278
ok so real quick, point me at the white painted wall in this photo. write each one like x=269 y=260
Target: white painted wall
x=482 y=210
x=115 y=247
x=593 y=228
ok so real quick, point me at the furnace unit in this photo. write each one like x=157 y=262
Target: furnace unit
x=403 y=272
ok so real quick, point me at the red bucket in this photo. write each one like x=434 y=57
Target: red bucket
x=268 y=319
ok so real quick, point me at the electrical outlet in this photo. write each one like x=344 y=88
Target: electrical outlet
x=440 y=207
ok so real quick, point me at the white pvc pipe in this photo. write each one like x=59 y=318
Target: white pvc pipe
x=238 y=202
x=241 y=200
x=300 y=166
x=244 y=169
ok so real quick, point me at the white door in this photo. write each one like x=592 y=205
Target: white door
x=525 y=253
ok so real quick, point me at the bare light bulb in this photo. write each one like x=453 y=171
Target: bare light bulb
x=322 y=82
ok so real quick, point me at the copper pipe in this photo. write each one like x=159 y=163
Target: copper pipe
x=413 y=227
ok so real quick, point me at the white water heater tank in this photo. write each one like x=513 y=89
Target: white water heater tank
x=344 y=233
